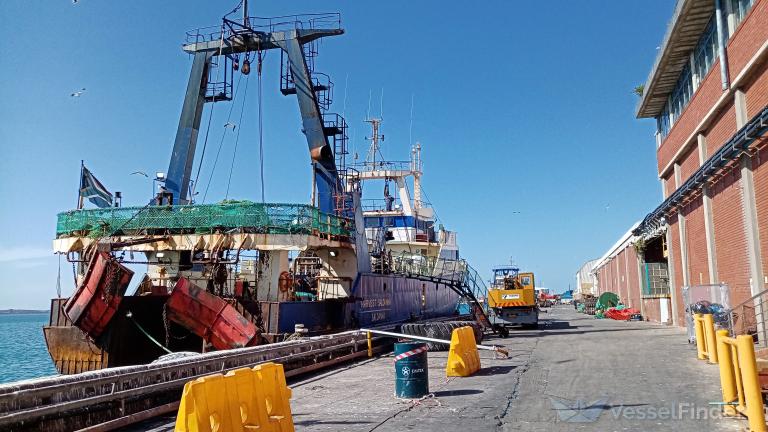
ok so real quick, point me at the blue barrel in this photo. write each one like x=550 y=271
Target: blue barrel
x=411 y=371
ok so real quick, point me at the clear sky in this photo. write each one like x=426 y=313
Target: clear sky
x=520 y=107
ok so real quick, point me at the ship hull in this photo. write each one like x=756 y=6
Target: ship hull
x=376 y=300
x=391 y=299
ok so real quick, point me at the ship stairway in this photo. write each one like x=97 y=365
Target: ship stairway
x=455 y=274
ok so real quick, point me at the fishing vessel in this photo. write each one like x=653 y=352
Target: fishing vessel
x=240 y=273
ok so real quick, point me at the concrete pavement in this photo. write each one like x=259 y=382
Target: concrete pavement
x=575 y=373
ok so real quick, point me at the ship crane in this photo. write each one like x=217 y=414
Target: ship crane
x=293 y=35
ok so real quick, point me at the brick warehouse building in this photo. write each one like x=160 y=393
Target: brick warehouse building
x=708 y=91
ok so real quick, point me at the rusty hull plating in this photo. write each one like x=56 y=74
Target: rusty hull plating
x=210 y=317
x=99 y=294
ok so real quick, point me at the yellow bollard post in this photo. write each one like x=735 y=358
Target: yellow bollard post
x=752 y=395
x=370 y=345
x=741 y=402
x=697 y=325
x=709 y=336
x=727 y=380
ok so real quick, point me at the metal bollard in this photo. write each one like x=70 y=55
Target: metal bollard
x=727 y=380
x=370 y=345
x=709 y=335
x=752 y=395
x=700 y=341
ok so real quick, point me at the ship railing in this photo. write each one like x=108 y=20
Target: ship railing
x=384 y=166
x=229 y=217
x=441 y=269
x=378 y=204
x=324 y=21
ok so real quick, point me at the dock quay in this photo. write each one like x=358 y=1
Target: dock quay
x=572 y=359
x=129 y=394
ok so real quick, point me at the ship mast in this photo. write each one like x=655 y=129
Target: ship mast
x=375 y=138
x=416 y=170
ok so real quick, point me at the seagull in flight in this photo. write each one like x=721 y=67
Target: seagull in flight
x=140 y=173
x=230 y=125
x=78 y=93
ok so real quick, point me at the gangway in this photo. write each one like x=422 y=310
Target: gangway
x=455 y=274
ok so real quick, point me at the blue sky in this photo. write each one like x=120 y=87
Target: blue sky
x=520 y=107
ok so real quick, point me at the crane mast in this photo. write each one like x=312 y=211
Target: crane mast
x=294 y=37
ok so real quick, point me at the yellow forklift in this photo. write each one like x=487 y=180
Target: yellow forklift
x=512 y=300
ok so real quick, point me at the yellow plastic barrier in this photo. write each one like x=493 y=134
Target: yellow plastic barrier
x=463 y=358
x=243 y=400
x=706 y=347
x=739 y=380
x=276 y=396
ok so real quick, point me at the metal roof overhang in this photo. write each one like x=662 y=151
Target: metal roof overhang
x=688 y=22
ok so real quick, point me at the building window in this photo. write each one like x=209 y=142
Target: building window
x=682 y=94
x=704 y=56
x=655 y=280
x=662 y=122
x=739 y=9
x=706 y=51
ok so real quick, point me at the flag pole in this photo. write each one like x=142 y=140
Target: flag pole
x=80 y=190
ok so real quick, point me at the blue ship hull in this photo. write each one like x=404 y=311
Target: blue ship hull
x=376 y=300
x=390 y=299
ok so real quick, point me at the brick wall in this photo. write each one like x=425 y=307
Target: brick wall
x=633 y=282
x=760 y=174
x=721 y=130
x=690 y=162
x=730 y=239
x=651 y=310
x=621 y=275
x=669 y=185
x=674 y=251
x=696 y=240
x=757 y=94
x=749 y=37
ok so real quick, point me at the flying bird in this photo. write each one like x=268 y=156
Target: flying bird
x=140 y=173
x=230 y=125
x=78 y=93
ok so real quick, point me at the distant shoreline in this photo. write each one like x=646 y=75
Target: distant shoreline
x=21 y=311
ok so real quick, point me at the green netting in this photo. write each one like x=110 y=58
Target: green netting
x=204 y=218
x=607 y=300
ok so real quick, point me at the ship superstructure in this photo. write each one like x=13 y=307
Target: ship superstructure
x=400 y=224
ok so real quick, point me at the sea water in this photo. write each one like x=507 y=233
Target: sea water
x=22 y=347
